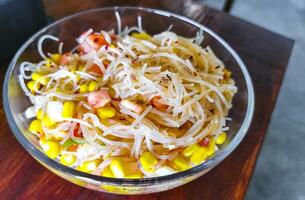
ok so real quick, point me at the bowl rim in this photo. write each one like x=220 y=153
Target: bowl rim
x=213 y=161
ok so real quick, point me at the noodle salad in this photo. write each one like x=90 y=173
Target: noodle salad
x=129 y=105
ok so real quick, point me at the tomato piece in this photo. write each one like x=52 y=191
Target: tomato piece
x=113 y=37
x=96 y=40
x=98 y=98
x=77 y=132
x=72 y=147
x=158 y=103
x=64 y=59
x=96 y=69
x=204 y=142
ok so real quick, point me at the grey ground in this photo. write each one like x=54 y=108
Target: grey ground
x=280 y=170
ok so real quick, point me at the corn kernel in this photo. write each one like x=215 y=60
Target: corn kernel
x=142 y=35
x=51 y=148
x=226 y=74
x=117 y=169
x=199 y=155
x=188 y=151
x=49 y=62
x=35 y=126
x=134 y=176
x=46 y=120
x=106 y=112
x=33 y=86
x=80 y=67
x=36 y=76
x=112 y=46
x=44 y=80
x=228 y=95
x=147 y=160
x=68 y=109
x=67 y=159
x=180 y=163
x=56 y=57
x=111 y=92
x=88 y=166
x=78 y=78
x=107 y=172
x=131 y=167
x=211 y=147
x=83 y=88
x=39 y=114
x=105 y=122
x=221 y=138
x=93 y=85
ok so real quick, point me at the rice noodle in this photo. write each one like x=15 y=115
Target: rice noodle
x=118 y=18
x=106 y=36
x=60 y=47
x=40 y=42
x=140 y=23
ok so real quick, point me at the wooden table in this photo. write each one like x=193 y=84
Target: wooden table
x=265 y=53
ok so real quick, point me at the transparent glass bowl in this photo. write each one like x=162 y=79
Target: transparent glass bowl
x=153 y=21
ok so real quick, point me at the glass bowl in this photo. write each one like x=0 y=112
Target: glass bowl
x=153 y=21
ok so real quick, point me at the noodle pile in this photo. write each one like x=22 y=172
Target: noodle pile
x=183 y=91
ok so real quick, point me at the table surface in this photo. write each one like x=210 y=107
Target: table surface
x=266 y=55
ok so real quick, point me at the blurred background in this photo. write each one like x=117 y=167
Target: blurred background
x=280 y=170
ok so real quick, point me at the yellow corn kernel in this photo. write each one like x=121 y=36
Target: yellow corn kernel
x=142 y=35
x=51 y=148
x=228 y=95
x=88 y=166
x=44 y=80
x=78 y=78
x=35 y=126
x=80 y=67
x=107 y=172
x=226 y=74
x=105 y=122
x=134 y=176
x=93 y=85
x=117 y=169
x=46 y=120
x=33 y=86
x=49 y=62
x=211 y=147
x=106 y=112
x=221 y=138
x=199 y=155
x=131 y=167
x=39 y=114
x=56 y=57
x=83 y=88
x=188 y=151
x=148 y=161
x=36 y=76
x=68 y=109
x=180 y=163
x=67 y=159
x=111 y=92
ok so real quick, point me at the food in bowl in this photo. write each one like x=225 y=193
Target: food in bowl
x=129 y=105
